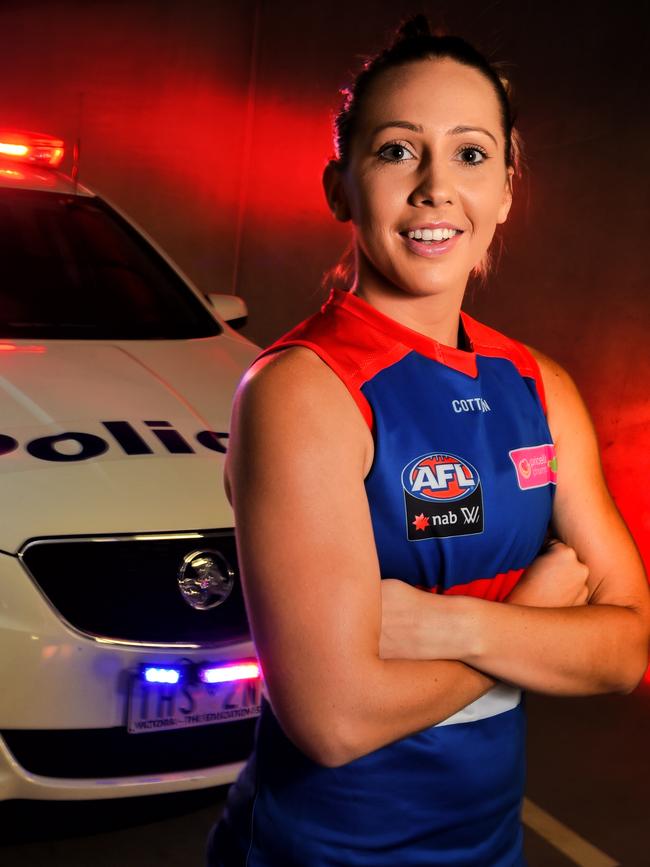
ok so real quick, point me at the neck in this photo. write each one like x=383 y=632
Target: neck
x=435 y=316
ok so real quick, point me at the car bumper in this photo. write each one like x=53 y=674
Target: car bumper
x=16 y=782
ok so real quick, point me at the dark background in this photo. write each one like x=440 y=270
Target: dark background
x=209 y=123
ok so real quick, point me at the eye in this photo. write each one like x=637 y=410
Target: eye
x=395 y=153
x=473 y=155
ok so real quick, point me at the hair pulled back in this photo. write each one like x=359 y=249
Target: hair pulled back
x=414 y=41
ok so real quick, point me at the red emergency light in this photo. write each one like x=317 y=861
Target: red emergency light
x=31 y=147
x=20 y=347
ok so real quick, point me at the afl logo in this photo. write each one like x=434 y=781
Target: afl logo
x=440 y=477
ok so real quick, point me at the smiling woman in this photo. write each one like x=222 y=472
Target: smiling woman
x=389 y=444
x=400 y=174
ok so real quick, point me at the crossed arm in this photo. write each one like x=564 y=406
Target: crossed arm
x=299 y=453
x=546 y=639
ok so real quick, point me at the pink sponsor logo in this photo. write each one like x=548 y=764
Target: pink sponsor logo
x=535 y=466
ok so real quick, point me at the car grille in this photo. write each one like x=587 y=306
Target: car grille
x=126 y=587
x=83 y=753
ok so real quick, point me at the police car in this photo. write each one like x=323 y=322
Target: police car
x=126 y=663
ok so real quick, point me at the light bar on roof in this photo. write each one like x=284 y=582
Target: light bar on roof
x=31 y=147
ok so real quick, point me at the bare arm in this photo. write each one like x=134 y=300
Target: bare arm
x=298 y=455
x=586 y=649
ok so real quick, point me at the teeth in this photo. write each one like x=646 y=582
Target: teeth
x=432 y=234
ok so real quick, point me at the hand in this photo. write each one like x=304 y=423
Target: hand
x=555 y=579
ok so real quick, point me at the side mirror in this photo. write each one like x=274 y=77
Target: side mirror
x=231 y=308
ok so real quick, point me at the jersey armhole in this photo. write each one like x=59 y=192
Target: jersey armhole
x=354 y=390
x=536 y=374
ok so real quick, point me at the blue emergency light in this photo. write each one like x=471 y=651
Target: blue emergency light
x=157 y=674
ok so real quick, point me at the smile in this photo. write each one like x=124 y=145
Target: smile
x=432 y=234
x=431 y=242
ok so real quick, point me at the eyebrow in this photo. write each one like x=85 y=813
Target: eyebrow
x=415 y=127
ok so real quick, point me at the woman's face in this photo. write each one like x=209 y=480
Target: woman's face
x=428 y=148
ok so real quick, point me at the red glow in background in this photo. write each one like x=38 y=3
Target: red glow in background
x=209 y=123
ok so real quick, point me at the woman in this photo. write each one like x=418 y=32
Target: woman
x=396 y=438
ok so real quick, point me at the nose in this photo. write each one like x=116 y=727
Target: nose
x=434 y=184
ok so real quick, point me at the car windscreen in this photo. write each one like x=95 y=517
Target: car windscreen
x=71 y=267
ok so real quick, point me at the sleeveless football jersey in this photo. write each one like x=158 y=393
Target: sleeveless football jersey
x=460 y=493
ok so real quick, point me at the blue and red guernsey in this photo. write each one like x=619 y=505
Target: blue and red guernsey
x=460 y=492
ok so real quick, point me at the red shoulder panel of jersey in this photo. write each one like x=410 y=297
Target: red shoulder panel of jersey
x=487 y=341
x=345 y=343
x=357 y=341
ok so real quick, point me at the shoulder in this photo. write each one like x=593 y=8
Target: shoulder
x=559 y=385
x=292 y=399
x=555 y=376
x=291 y=377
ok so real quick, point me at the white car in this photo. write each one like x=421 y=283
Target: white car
x=126 y=663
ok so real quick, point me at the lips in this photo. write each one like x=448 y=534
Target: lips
x=427 y=239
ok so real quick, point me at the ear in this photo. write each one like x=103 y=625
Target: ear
x=506 y=201
x=335 y=191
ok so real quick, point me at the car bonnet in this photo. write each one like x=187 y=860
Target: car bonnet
x=129 y=436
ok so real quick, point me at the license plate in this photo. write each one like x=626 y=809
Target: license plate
x=155 y=707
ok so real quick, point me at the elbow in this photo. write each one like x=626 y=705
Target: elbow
x=334 y=756
x=329 y=748
x=636 y=665
x=327 y=739
x=328 y=730
x=629 y=686
x=635 y=659
x=635 y=674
